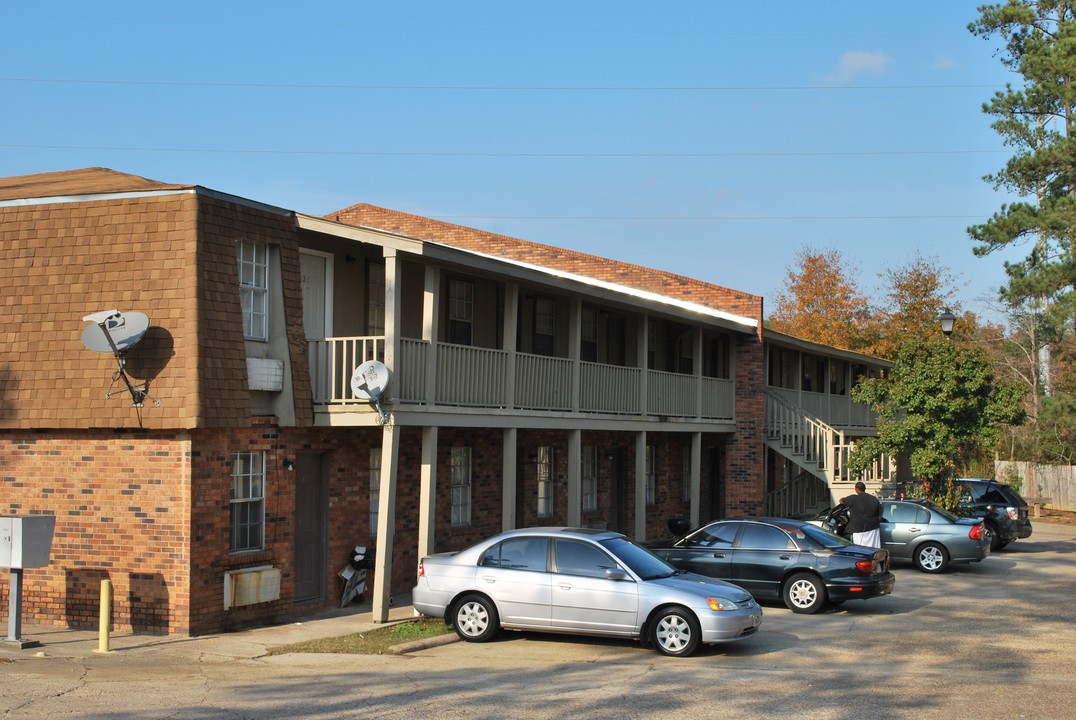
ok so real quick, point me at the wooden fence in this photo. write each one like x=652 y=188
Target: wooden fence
x=1057 y=482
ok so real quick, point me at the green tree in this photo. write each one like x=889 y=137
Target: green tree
x=917 y=294
x=1036 y=119
x=941 y=404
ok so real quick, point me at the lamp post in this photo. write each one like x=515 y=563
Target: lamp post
x=947 y=320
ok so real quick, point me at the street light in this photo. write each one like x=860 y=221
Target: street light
x=947 y=320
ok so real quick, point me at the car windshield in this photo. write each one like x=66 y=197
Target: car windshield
x=638 y=559
x=825 y=538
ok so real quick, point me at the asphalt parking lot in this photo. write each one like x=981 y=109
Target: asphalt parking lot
x=994 y=639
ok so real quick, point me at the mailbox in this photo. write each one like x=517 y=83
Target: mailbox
x=26 y=541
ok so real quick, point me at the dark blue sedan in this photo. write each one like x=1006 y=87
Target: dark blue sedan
x=793 y=561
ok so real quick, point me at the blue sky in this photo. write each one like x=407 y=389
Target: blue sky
x=709 y=138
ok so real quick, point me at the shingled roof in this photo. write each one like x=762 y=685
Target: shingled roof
x=86 y=181
x=548 y=256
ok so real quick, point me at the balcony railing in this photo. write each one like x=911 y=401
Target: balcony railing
x=467 y=376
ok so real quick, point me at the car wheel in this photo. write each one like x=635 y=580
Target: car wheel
x=931 y=558
x=475 y=619
x=804 y=593
x=675 y=631
x=996 y=543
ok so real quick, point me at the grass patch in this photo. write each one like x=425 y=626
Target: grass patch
x=372 y=642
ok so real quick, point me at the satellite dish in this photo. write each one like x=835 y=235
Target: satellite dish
x=111 y=331
x=368 y=383
x=369 y=380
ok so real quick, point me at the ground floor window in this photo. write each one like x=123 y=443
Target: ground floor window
x=545 y=481
x=248 y=501
x=375 y=488
x=461 y=486
x=590 y=478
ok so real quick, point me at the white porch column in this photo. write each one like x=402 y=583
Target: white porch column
x=386 y=522
x=696 y=477
x=509 y=482
x=640 y=486
x=393 y=298
x=575 y=341
x=642 y=350
x=427 y=493
x=510 y=333
x=575 y=474
x=431 y=299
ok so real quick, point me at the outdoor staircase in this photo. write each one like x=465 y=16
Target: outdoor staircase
x=822 y=452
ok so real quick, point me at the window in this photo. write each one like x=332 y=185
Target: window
x=588 y=330
x=765 y=537
x=685 y=352
x=903 y=513
x=248 y=501
x=375 y=299
x=685 y=465
x=590 y=478
x=578 y=558
x=518 y=554
x=460 y=311
x=545 y=326
x=545 y=482
x=651 y=475
x=254 y=289
x=375 y=488
x=461 y=486
x=814 y=373
x=783 y=368
x=719 y=535
x=716 y=357
x=838 y=377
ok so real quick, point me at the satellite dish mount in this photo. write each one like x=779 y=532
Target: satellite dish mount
x=116 y=332
x=368 y=383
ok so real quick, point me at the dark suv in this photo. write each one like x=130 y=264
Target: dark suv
x=1002 y=509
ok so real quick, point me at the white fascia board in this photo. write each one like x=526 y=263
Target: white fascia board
x=56 y=199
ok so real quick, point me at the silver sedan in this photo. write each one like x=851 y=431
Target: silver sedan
x=589 y=582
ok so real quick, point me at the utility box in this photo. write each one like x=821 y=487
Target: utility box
x=26 y=541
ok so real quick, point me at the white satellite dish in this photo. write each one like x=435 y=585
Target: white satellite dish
x=111 y=331
x=368 y=383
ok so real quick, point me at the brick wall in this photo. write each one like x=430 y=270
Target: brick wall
x=122 y=511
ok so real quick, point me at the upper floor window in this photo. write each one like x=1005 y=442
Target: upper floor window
x=588 y=329
x=814 y=373
x=248 y=501
x=838 y=377
x=783 y=368
x=545 y=326
x=545 y=481
x=461 y=486
x=375 y=298
x=716 y=355
x=253 y=260
x=460 y=311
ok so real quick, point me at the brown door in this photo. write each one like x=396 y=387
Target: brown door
x=311 y=527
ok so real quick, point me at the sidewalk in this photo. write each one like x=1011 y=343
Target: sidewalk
x=64 y=643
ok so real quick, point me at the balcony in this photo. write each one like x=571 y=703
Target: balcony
x=471 y=377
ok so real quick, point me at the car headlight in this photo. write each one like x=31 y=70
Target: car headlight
x=718 y=604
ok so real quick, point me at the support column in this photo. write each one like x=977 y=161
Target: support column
x=696 y=477
x=427 y=494
x=575 y=474
x=431 y=298
x=640 y=486
x=509 y=481
x=386 y=522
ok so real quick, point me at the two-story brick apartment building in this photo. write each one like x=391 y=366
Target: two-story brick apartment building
x=526 y=385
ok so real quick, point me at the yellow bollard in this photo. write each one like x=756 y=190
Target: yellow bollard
x=106 y=616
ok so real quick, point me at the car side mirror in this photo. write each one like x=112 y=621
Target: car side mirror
x=615 y=574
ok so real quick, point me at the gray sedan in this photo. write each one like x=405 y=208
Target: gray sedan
x=919 y=531
x=589 y=582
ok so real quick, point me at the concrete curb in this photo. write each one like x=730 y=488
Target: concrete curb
x=414 y=645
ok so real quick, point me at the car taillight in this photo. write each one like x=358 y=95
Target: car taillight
x=421 y=569
x=976 y=533
x=866 y=566
x=1014 y=513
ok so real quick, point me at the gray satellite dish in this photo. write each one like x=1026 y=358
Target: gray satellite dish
x=111 y=331
x=368 y=383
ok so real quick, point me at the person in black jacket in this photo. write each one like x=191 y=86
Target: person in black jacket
x=864 y=518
